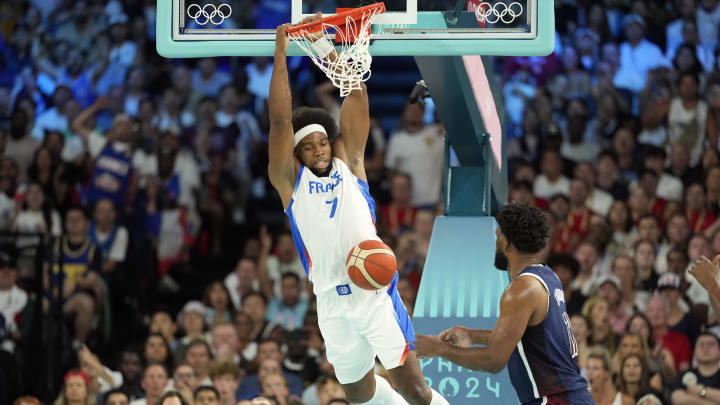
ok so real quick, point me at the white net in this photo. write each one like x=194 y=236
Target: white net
x=349 y=65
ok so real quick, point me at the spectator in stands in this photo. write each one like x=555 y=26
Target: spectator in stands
x=688 y=118
x=597 y=311
x=225 y=343
x=712 y=188
x=102 y=379
x=157 y=350
x=599 y=376
x=634 y=375
x=12 y=298
x=610 y=288
x=634 y=344
x=275 y=386
x=416 y=139
x=637 y=56
x=76 y=262
x=644 y=258
x=192 y=322
x=269 y=360
x=207 y=80
x=551 y=180
x=598 y=200
x=679 y=319
x=172 y=398
x=677 y=344
x=161 y=323
x=581 y=330
x=697 y=212
x=154 y=383
x=184 y=381
x=287 y=310
x=255 y=304
x=116 y=397
x=75 y=390
x=587 y=257
x=206 y=395
x=701 y=383
x=218 y=303
x=115 y=158
x=198 y=355
x=20 y=145
x=130 y=366
x=398 y=215
x=242 y=281
x=677 y=232
x=226 y=377
x=111 y=238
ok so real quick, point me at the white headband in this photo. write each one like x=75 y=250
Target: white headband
x=307 y=130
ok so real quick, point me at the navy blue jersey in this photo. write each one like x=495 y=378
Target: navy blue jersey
x=111 y=175
x=543 y=367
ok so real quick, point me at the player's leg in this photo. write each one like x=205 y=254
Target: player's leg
x=389 y=332
x=353 y=359
x=409 y=380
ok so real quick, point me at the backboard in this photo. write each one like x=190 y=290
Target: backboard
x=205 y=28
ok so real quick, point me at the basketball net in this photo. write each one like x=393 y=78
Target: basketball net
x=349 y=65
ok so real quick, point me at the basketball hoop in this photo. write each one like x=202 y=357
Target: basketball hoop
x=348 y=66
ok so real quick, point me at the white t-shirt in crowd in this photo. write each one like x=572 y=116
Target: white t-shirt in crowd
x=276 y=269
x=670 y=188
x=12 y=302
x=545 y=189
x=50 y=120
x=420 y=155
x=599 y=202
x=635 y=64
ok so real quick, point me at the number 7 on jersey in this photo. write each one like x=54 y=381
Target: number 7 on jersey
x=334 y=203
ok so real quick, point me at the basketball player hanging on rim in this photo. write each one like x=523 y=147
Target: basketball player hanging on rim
x=532 y=336
x=320 y=177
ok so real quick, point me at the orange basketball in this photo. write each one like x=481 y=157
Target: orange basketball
x=371 y=265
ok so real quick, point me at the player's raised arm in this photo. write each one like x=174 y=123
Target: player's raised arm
x=281 y=167
x=517 y=306
x=354 y=128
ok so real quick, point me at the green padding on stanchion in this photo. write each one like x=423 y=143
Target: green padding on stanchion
x=460 y=286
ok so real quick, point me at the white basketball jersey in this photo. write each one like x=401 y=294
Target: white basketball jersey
x=328 y=216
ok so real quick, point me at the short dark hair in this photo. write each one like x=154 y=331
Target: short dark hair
x=198 y=342
x=206 y=388
x=525 y=227
x=113 y=392
x=564 y=260
x=171 y=394
x=305 y=116
x=292 y=275
x=255 y=294
x=706 y=333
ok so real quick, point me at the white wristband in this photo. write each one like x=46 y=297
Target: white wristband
x=323 y=47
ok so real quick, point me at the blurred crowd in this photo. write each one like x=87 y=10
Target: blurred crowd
x=145 y=258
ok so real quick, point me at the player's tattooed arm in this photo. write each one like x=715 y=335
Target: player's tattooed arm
x=517 y=306
x=281 y=166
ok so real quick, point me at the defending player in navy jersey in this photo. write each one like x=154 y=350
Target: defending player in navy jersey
x=323 y=187
x=532 y=336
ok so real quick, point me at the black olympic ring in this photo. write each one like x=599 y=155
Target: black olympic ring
x=484 y=11
x=203 y=15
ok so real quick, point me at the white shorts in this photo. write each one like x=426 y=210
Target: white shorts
x=358 y=325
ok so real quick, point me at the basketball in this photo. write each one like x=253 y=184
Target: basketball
x=371 y=265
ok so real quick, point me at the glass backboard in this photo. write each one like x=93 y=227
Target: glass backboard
x=202 y=28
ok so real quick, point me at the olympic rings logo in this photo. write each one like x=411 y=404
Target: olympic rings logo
x=203 y=15
x=491 y=14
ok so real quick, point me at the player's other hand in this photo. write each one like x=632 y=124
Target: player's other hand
x=457 y=335
x=313 y=36
x=427 y=346
x=281 y=37
x=705 y=271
